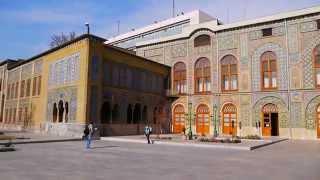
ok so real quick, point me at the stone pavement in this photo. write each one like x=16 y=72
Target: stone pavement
x=288 y=160
x=176 y=140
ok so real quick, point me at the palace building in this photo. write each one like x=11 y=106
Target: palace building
x=83 y=80
x=259 y=76
x=187 y=73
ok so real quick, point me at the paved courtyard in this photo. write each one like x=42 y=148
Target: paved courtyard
x=110 y=160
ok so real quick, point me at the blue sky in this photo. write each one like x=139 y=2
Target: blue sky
x=27 y=25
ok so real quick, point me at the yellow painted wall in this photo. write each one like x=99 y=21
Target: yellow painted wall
x=77 y=47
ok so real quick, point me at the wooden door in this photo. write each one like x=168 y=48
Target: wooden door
x=178 y=119
x=268 y=113
x=318 y=121
x=229 y=124
x=202 y=120
x=266 y=124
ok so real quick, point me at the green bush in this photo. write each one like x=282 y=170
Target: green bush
x=251 y=137
x=207 y=139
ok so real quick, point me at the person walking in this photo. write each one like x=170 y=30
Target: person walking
x=147 y=132
x=88 y=133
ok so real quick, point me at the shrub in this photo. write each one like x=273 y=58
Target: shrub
x=206 y=139
x=251 y=137
x=231 y=140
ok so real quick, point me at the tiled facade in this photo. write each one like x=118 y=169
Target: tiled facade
x=293 y=41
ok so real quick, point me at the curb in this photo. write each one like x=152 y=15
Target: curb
x=267 y=144
x=41 y=141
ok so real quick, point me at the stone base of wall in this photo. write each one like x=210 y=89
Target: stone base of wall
x=294 y=133
x=127 y=129
x=63 y=129
x=11 y=127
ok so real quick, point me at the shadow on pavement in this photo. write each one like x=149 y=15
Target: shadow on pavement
x=101 y=147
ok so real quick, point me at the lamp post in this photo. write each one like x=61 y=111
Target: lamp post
x=190 y=119
x=215 y=132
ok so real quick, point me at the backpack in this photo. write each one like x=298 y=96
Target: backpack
x=86 y=131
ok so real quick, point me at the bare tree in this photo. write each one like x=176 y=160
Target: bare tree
x=57 y=40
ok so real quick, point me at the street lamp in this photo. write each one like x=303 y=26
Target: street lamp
x=215 y=132
x=190 y=119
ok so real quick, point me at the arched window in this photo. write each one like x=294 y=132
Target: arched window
x=54 y=112
x=105 y=113
x=115 y=113
x=316 y=57
x=202 y=40
x=66 y=106
x=155 y=110
x=61 y=110
x=229 y=73
x=202 y=76
x=137 y=114
x=269 y=70
x=129 y=114
x=145 y=114
x=180 y=78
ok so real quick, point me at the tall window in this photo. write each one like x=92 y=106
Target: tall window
x=316 y=55
x=180 y=78
x=22 y=88
x=16 y=90
x=34 y=86
x=229 y=73
x=202 y=40
x=269 y=70
x=12 y=91
x=202 y=76
x=39 y=85
x=28 y=87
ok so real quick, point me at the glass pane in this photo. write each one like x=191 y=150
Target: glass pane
x=274 y=79
x=208 y=85
x=226 y=83
x=266 y=81
x=234 y=83
x=200 y=85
